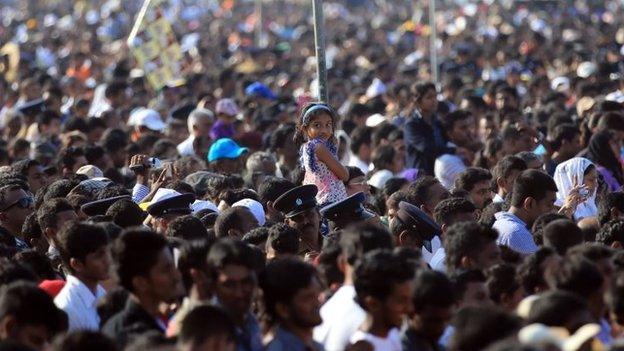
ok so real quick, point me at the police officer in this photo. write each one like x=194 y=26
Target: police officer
x=348 y=211
x=300 y=211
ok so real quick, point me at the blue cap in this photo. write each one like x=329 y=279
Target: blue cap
x=260 y=90
x=225 y=148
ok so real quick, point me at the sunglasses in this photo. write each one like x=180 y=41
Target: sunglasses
x=23 y=203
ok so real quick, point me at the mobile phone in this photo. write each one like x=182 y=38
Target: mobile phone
x=584 y=192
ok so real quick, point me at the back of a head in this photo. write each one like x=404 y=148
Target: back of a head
x=133 y=243
x=608 y=203
x=612 y=232
x=230 y=218
x=188 y=228
x=203 y=322
x=531 y=183
x=47 y=213
x=507 y=164
x=501 y=279
x=272 y=188
x=284 y=239
x=562 y=234
x=432 y=288
x=556 y=308
x=85 y=340
x=126 y=213
x=447 y=209
x=31 y=306
x=466 y=239
x=537 y=229
x=478 y=327
x=357 y=240
x=578 y=275
x=377 y=273
x=59 y=188
x=418 y=191
x=531 y=272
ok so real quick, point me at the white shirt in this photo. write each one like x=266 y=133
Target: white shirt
x=355 y=161
x=80 y=304
x=436 y=244
x=498 y=199
x=437 y=261
x=342 y=317
x=392 y=342
x=185 y=148
x=446 y=168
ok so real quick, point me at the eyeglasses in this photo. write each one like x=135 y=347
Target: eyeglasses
x=23 y=203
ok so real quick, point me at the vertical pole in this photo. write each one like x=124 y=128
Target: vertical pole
x=433 y=38
x=259 y=23
x=319 y=44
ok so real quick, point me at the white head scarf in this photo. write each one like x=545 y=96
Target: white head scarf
x=565 y=175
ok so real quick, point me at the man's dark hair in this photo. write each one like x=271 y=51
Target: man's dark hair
x=462 y=279
x=488 y=214
x=12 y=272
x=531 y=183
x=467 y=179
x=578 y=275
x=541 y=222
x=46 y=117
x=192 y=256
x=611 y=232
x=611 y=121
x=30 y=228
x=187 y=228
x=356 y=240
x=506 y=165
x=37 y=262
x=76 y=124
x=77 y=240
x=279 y=138
x=378 y=272
x=281 y=280
x=556 y=308
x=257 y=237
x=126 y=213
x=23 y=166
x=447 y=209
x=31 y=306
x=112 y=191
x=227 y=251
x=230 y=218
x=476 y=327
x=203 y=322
x=565 y=131
x=132 y=244
x=562 y=234
x=284 y=239
x=67 y=156
x=614 y=200
x=272 y=188
x=85 y=340
x=94 y=153
x=466 y=239
x=448 y=121
x=59 y=188
x=432 y=288
x=418 y=192
x=114 y=140
x=501 y=279
x=615 y=299
x=593 y=252
x=531 y=272
x=360 y=136
x=47 y=214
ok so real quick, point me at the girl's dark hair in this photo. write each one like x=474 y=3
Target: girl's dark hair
x=300 y=136
x=421 y=88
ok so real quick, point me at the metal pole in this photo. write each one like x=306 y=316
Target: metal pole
x=319 y=43
x=259 y=23
x=433 y=50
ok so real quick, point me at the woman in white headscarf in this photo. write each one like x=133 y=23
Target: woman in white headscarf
x=578 y=178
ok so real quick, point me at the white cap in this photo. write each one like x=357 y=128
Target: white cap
x=379 y=179
x=616 y=96
x=255 y=207
x=586 y=69
x=199 y=205
x=164 y=194
x=560 y=83
x=147 y=118
x=375 y=120
x=90 y=171
x=376 y=88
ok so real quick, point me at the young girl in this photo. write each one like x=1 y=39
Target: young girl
x=315 y=129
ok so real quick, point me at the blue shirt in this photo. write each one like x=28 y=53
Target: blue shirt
x=513 y=233
x=287 y=341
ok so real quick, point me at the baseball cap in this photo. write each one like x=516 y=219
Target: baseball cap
x=200 y=205
x=225 y=148
x=90 y=171
x=227 y=106
x=147 y=118
x=586 y=69
x=255 y=207
x=260 y=90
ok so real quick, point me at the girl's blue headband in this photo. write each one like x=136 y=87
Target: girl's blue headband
x=306 y=115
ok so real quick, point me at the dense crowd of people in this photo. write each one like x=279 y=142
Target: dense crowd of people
x=230 y=210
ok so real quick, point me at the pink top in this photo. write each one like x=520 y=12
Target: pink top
x=330 y=188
